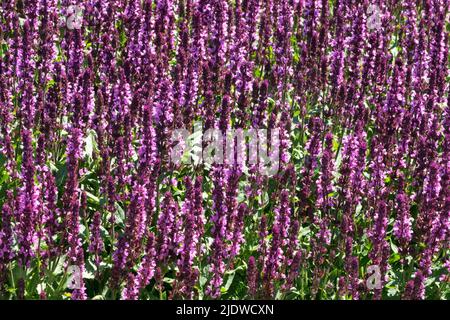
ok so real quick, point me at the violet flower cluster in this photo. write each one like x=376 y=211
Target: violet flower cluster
x=358 y=114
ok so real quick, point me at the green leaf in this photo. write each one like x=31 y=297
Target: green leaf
x=90 y=144
x=394 y=248
x=229 y=281
x=92 y=198
x=119 y=213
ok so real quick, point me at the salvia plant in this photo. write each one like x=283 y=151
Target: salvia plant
x=348 y=100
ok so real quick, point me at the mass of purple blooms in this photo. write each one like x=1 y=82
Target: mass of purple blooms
x=93 y=207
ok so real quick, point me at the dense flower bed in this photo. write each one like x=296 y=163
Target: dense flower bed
x=351 y=97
